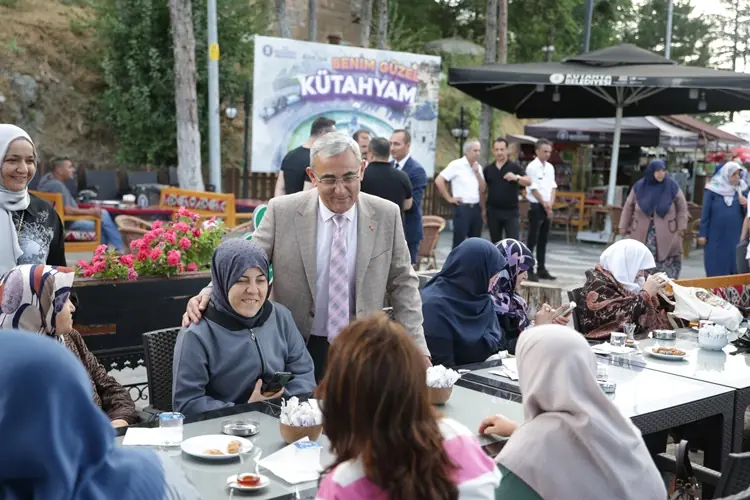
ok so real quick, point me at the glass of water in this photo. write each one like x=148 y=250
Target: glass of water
x=617 y=339
x=170 y=424
x=602 y=372
x=629 y=330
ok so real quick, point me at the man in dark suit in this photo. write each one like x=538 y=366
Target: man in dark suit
x=402 y=160
x=384 y=181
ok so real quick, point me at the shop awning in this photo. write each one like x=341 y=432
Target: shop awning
x=636 y=131
x=706 y=131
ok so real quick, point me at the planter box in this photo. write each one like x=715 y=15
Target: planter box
x=113 y=314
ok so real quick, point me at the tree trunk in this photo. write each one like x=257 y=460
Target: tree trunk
x=189 y=170
x=490 y=56
x=382 y=38
x=312 y=20
x=282 y=19
x=365 y=21
x=502 y=32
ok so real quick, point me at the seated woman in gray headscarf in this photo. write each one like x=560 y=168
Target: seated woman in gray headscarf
x=242 y=340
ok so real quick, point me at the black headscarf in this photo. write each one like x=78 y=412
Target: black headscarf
x=230 y=261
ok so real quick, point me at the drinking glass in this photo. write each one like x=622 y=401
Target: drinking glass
x=629 y=330
x=617 y=339
x=170 y=425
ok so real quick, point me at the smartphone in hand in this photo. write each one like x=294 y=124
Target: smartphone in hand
x=276 y=382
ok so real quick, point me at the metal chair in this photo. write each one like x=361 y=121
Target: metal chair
x=734 y=479
x=158 y=347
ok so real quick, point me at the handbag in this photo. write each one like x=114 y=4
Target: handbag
x=684 y=486
x=695 y=304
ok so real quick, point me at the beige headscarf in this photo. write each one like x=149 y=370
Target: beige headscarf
x=575 y=444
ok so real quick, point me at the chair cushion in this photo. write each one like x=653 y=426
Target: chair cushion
x=80 y=235
x=738 y=295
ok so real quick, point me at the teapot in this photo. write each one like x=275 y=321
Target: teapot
x=712 y=337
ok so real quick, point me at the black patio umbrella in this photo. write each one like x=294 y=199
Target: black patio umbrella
x=622 y=81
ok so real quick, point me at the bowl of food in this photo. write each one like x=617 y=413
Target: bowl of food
x=292 y=433
x=440 y=395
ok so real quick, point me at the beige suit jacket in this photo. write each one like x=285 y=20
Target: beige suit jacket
x=288 y=234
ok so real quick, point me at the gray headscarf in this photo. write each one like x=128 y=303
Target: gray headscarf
x=230 y=261
x=10 y=201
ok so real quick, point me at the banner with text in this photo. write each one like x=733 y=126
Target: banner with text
x=361 y=89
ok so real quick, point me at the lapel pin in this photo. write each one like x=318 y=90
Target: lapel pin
x=372 y=228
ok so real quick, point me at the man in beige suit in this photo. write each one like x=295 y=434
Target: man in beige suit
x=336 y=252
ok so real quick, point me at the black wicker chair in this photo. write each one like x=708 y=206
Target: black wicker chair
x=734 y=479
x=158 y=347
x=574 y=296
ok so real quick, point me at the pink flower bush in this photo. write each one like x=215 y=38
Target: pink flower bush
x=168 y=249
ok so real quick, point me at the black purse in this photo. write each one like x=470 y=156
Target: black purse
x=684 y=485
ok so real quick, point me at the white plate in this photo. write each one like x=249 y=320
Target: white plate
x=232 y=483
x=196 y=446
x=669 y=357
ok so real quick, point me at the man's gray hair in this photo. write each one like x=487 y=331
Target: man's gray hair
x=469 y=144
x=333 y=144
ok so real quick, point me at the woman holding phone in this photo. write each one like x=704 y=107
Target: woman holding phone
x=246 y=348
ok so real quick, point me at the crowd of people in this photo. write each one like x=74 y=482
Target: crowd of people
x=339 y=256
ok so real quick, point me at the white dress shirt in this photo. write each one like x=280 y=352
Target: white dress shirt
x=400 y=164
x=542 y=180
x=324 y=240
x=464 y=182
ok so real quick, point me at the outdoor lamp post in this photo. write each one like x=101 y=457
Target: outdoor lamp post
x=231 y=112
x=460 y=132
x=245 y=144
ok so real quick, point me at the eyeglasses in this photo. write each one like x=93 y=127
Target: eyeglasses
x=347 y=180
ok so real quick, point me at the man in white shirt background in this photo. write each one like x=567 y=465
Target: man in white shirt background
x=466 y=190
x=541 y=195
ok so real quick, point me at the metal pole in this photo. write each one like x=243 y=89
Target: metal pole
x=214 y=134
x=587 y=26
x=245 y=162
x=461 y=127
x=668 y=40
x=613 y=168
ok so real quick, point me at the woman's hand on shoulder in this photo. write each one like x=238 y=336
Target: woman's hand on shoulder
x=257 y=396
x=498 y=426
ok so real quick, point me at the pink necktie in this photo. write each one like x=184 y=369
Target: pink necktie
x=338 y=281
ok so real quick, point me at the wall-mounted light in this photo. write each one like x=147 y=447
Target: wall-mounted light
x=556 y=95
x=231 y=112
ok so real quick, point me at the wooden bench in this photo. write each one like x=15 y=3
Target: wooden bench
x=75 y=241
x=204 y=203
x=735 y=289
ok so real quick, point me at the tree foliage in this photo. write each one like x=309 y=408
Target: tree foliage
x=137 y=63
x=692 y=36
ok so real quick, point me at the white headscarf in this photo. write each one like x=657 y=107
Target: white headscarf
x=10 y=201
x=624 y=259
x=721 y=184
x=574 y=444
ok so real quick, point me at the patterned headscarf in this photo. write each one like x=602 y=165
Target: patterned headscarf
x=504 y=296
x=32 y=295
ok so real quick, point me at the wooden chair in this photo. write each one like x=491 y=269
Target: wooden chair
x=75 y=241
x=615 y=213
x=432 y=226
x=204 y=203
x=131 y=228
x=570 y=212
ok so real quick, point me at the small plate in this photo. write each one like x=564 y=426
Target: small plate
x=668 y=357
x=196 y=446
x=232 y=483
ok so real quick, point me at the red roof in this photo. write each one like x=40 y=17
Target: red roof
x=703 y=128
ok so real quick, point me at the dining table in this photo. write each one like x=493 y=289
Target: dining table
x=655 y=401
x=728 y=367
x=467 y=405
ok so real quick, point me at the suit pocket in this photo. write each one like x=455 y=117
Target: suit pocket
x=379 y=253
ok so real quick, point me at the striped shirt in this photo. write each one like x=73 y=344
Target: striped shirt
x=476 y=475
